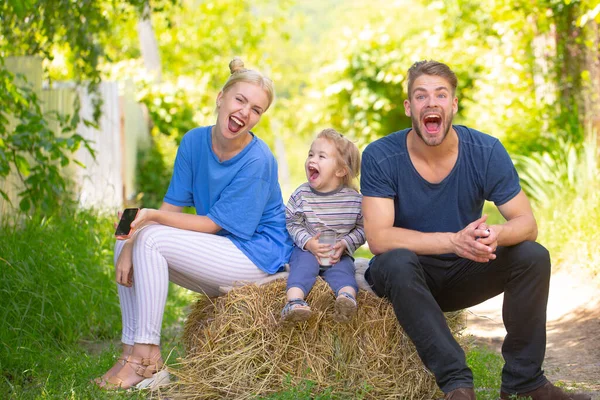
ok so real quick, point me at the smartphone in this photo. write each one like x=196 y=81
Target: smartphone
x=124 y=227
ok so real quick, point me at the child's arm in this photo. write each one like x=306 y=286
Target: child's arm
x=296 y=222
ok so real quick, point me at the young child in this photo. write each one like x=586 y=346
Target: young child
x=327 y=202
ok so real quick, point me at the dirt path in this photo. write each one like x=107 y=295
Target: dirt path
x=573 y=330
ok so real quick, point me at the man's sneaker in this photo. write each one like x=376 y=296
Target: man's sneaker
x=546 y=392
x=461 y=394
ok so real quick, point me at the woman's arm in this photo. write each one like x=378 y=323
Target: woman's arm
x=171 y=215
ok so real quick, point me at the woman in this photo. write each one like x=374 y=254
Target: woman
x=238 y=234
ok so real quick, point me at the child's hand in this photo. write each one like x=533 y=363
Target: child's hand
x=338 y=251
x=319 y=250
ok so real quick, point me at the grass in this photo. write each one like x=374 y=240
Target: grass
x=487 y=368
x=57 y=298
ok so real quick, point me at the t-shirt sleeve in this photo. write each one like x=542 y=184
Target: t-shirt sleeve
x=241 y=205
x=374 y=181
x=180 y=192
x=295 y=221
x=501 y=181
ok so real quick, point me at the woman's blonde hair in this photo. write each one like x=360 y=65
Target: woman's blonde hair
x=348 y=155
x=241 y=74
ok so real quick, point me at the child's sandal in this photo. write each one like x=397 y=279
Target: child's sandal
x=345 y=307
x=296 y=310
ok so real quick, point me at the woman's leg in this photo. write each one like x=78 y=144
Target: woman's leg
x=197 y=261
x=127 y=302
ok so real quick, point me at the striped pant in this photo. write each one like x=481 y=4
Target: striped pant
x=198 y=261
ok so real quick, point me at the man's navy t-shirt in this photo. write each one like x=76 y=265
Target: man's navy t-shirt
x=483 y=171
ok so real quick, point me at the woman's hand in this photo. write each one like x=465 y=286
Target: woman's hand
x=144 y=217
x=338 y=251
x=124 y=265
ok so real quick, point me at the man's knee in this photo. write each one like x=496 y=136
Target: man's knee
x=535 y=255
x=398 y=265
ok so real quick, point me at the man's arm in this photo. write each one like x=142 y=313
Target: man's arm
x=382 y=236
x=520 y=223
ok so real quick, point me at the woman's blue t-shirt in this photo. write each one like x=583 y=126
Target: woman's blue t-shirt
x=241 y=195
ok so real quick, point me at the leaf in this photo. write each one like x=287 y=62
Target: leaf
x=5 y=196
x=25 y=204
x=22 y=165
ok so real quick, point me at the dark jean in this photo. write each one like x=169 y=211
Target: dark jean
x=421 y=288
x=304 y=269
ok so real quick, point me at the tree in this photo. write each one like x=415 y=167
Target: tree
x=40 y=28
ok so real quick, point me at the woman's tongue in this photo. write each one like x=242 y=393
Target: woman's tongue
x=234 y=126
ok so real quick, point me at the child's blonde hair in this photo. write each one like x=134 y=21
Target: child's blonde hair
x=348 y=155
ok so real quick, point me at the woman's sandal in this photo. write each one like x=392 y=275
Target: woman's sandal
x=345 y=307
x=101 y=380
x=296 y=310
x=152 y=370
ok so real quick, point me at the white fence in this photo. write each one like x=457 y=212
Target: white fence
x=108 y=181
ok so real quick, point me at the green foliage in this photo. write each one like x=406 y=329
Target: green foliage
x=568 y=170
x=153 y=176
x=29 y=147
x=564 y=185
x=175 y=108
x=27 y=144
x=362 y=87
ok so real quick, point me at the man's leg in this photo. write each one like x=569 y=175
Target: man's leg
x=399 y=276
x=522 y=272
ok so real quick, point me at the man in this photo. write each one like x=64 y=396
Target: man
x=424 y=190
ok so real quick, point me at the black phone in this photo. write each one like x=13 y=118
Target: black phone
x=124 y=227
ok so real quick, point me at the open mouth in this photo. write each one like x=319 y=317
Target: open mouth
x=432 y=123
x=313 y=173
x=235 y=124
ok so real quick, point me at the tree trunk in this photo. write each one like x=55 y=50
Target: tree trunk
x=148 y=44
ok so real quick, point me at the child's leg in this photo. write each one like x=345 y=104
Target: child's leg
x=341 y=279
x=304 y=270
x=340 y=276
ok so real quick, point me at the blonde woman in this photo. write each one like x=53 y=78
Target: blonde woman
x=238 y=235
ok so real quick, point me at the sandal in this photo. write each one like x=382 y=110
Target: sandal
x=102 y=380
x=345 y=307
x=155 y=374
x=296 y=310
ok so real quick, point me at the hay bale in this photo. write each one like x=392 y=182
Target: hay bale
x=237 y=349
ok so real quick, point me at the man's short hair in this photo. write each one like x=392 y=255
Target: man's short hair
x=431 y=67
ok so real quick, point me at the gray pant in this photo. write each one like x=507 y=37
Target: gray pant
x=304 y=269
